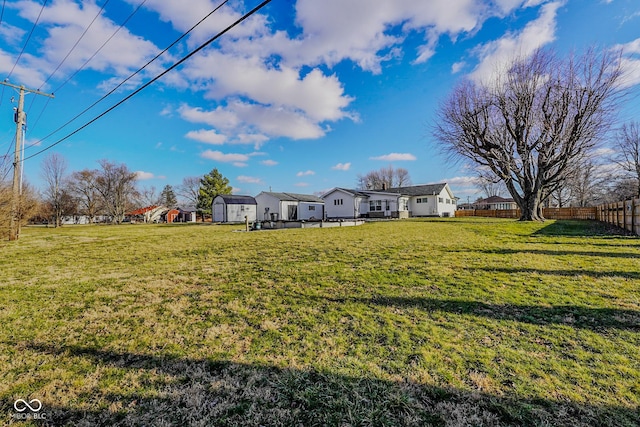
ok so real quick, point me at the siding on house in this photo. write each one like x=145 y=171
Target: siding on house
x=289 y=206
x=419 y=200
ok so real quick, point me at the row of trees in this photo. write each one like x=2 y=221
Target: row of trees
x=111 y=191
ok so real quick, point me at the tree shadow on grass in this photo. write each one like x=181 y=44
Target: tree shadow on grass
x=596 y=319
x=552 y=252
x=559 y=272
x=189 y=392
x=582 y=228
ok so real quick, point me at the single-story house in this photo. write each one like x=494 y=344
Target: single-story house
x=233 y=208
x=289 y=206
x=401 y=202
x=429 y=199
x=495 y=203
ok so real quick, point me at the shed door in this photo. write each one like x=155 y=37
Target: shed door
x=293 y=212
x=218 y=212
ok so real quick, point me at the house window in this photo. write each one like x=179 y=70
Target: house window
x=422 y=200
x=440 y=200
x=241 y=208
x=386 y=205
x=375 y=205
x=448 y=201
x=337 y=202
x=312 y=208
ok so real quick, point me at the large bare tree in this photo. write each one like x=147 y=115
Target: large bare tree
x=627 y=146
x=117 y=187
x=533 y=121
x=56 y=196
x=386 y=177
x=84 y=188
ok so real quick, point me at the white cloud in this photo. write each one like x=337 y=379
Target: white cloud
x=208 y=136
x=144 y=176
x=496 y=54
x=342 y=167
x=393 y=157
x=305 y=173
x=456 y=67
x=224 y=158
x=463 y=181
x=64 y=22
x=301 y=184
x=269 y=162
x=630 y=63
x=249 y=179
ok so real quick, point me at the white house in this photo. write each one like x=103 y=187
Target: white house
x=232 y=208
x=289 y=206
x=346 y=203
x=401 y=202
x=429 y=200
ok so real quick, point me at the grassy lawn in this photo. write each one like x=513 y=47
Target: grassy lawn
x=430 y=322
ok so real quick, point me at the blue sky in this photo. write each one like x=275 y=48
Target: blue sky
x=301 y=97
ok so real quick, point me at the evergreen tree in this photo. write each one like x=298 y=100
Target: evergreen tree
x=168 y=197
x=211 y=185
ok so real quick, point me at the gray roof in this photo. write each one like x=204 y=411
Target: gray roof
x=294 y=197
x=351 y=191
x=417 y=190
x=232 y=199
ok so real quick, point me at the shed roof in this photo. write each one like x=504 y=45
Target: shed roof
x=232 y=199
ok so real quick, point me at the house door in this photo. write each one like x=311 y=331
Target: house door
x=293 y=212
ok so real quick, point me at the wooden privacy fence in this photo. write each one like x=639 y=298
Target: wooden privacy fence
x=621 y=214
x=549 y=213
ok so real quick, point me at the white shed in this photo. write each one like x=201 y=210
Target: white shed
x=289 y=206
x=232 y=208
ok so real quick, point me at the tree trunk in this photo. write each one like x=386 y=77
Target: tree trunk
x=531 y=208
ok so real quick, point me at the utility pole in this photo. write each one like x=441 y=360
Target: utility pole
x=20 y=119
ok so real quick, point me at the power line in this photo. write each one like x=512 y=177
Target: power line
x=159 y=76
x=35 y=24
x=2 y=12
x=103 y=45
x=132 y=75
x=76 y=43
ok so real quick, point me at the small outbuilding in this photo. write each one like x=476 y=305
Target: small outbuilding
x=233 y=208
x=289 y=207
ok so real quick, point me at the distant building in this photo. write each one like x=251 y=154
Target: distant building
x=289 y=206
x=400 y=202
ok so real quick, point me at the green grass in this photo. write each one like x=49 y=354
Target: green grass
x=429 y=322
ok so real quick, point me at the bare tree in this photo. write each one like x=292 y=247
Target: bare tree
x=147 y=196
x=531 y=124
x=384 y=178
x=56 y=195
x=84 y=187
x=189 y=190
x=116 y=185
x=28 y=205
x=627 y=146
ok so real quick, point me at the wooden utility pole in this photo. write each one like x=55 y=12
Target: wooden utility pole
x=20 y=119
